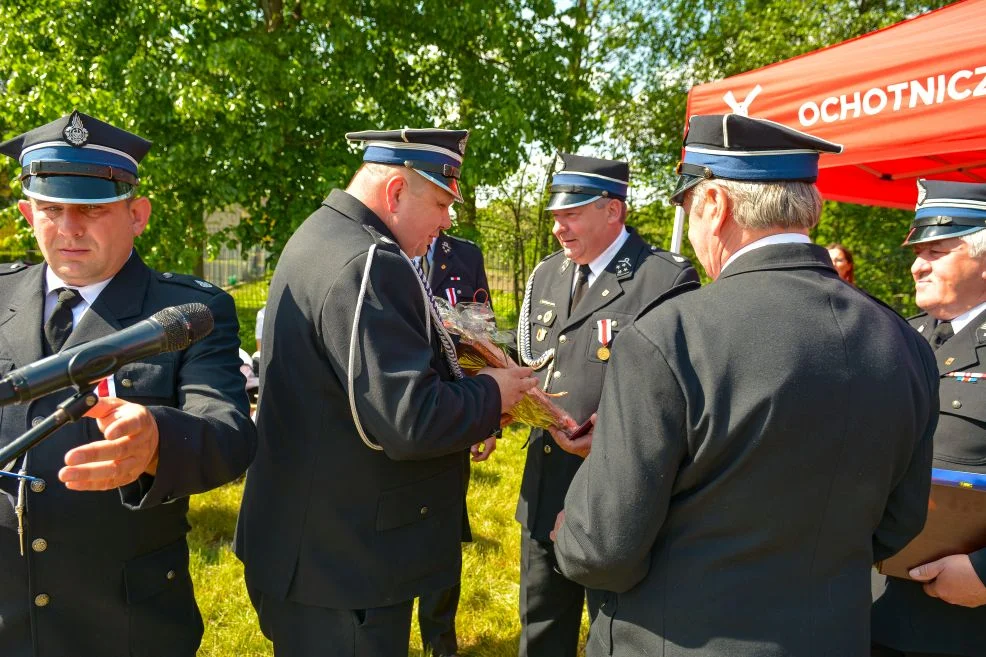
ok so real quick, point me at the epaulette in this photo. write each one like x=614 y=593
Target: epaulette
x=189 y=281
x=674 y=258
x=13 y=267
x=681 y=288
x=461 y=239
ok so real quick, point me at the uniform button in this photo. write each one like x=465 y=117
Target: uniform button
x=171 y=574
x=557 y=375
x=424 y=510
x=615 y=323
x=563 y=339
x=41 y=600
x=39 y=545
x=539 y=318
x=167 y=275
x=127 y=383
x=38 y=486
x=547 y=449
x=36 y=421
x=956 y=404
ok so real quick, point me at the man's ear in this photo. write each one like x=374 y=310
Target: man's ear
x=395 y=189
x=27 y=210
x=717 y=208
x=614 y=211
x=140 y=211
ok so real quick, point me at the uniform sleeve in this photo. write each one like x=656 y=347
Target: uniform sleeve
x=208 y=439
x=619 y=498
x=402 y=402
x=907 y=506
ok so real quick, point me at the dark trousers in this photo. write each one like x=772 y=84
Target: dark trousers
x=550 y=604
x=436 y=616
x=883 y=651
x=299 y=630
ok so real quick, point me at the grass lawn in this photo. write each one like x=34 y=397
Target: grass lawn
x=488 y=624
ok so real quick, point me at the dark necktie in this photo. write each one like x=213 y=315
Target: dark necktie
x=59 y=325
x=941 y=334
x=425 y=265
x=581 y=284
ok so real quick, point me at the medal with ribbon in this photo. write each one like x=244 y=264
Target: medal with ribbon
x=604 y=331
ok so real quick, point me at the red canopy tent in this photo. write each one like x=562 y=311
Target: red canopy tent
x=907 y=102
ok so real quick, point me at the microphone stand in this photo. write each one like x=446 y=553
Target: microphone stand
x=70 y=410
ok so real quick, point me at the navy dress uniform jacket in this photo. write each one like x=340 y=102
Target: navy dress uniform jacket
x=458 y=272
x=904 y=616
x=325 y=520
x=761 y=441
x=106 y=573
x=637 y=275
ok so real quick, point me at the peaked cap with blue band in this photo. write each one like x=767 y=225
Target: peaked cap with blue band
x=582 y=180
x=737 y=147
x=947 y=209
x=435 y=154
x=77 y=159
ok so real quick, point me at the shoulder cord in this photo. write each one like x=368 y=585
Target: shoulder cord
x=431 y=313
x=524 y=334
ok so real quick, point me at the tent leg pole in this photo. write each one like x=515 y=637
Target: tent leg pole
x=679 y=229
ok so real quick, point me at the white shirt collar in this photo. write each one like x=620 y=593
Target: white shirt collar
x=88 y=292
x=599 y=265
x=770 y=240
x=963 y=320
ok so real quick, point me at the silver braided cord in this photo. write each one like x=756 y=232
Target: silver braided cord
x=352 y=352
x=447 y=345
x=524 y=329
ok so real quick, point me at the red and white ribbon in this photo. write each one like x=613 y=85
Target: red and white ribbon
x=453 y=298
x=106 y=387
x=605 y=331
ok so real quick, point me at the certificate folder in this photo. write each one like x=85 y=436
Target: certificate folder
x=956 y=522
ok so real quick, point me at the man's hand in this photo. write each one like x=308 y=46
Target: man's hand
x=953 y=579
x=580 y=446
x=130 y=448
x=513 y=383
x=481 y=451
x=559 y=519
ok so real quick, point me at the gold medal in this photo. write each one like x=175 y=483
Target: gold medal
x=602 y=353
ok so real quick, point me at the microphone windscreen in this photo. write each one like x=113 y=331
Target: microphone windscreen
x=184 y=324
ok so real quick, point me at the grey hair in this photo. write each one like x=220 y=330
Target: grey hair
x=761 y=206
x=976 y=243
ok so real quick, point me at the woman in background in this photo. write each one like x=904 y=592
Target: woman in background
x=842 y=260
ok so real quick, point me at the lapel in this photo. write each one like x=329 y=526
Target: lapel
x=443 y=257
x=21 y=319
x=959 y=352
x=608 y=286
x=122 y=299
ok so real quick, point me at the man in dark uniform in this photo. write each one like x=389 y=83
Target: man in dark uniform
x=721 y=514
x=354 y=504
x=106 y=573
x=455 y=272
x=577 y=300
x=943 y=613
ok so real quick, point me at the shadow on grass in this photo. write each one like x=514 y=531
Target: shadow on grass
x=484 y=477
x=212 y=527
x=483 y=545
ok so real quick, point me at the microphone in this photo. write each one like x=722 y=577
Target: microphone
x=171 y=329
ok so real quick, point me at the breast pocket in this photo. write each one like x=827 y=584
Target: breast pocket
x=542 y=321
x=458 y=292
x=596 y=351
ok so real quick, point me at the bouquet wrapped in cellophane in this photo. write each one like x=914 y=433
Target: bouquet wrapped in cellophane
x=482 y=345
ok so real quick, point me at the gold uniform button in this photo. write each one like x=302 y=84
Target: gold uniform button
x=563 y=339
x=956 y=404
x=38 y=486
x=36 y=421
x=547 y=449
x=424 y=510
x=41 y=600
x=171 y=574
x=39 y=545
x=557 y=375
x=127 y=383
